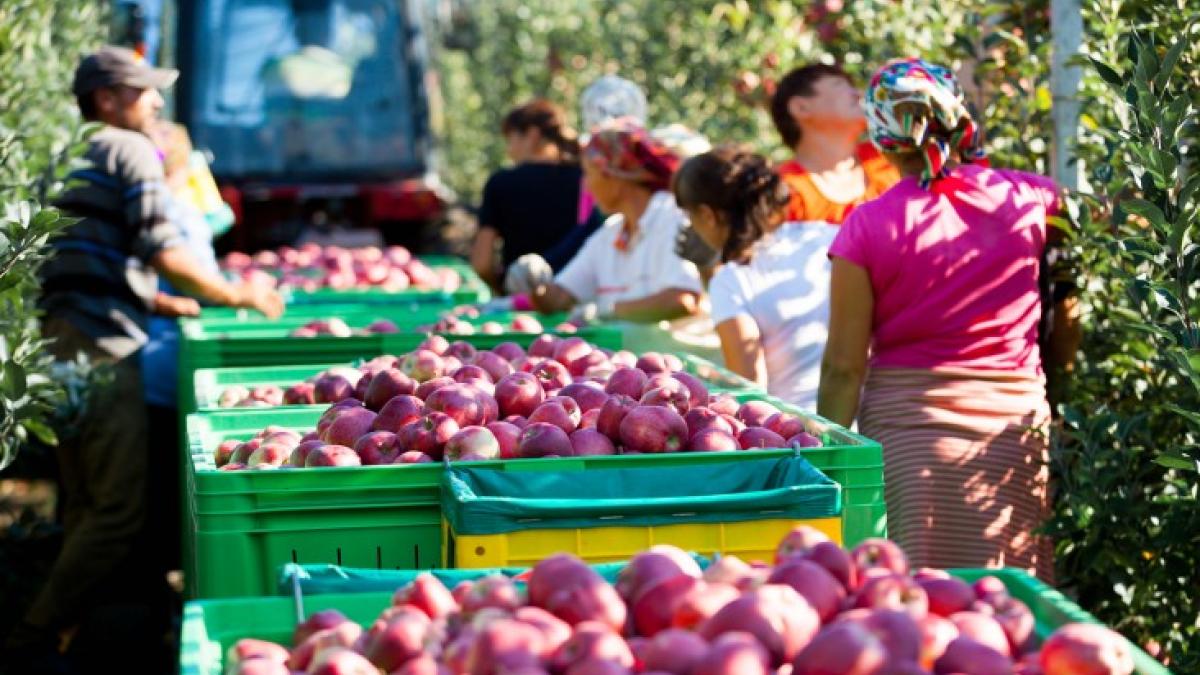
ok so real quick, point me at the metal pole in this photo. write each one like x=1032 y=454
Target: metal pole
x=1066 y=26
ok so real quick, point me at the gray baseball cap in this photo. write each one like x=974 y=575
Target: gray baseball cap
x=111 y=66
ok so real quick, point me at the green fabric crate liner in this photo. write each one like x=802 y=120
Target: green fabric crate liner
x=322 y=579
x=482 y=501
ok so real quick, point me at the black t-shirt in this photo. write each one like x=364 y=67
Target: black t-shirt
x=532 y=206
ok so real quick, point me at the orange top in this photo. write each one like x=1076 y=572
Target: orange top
x=809 y=203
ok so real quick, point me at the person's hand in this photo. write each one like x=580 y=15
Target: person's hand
x=526 y=273
x=690 y=247
x=175 y=306
x=591 y=312
x=266 y=300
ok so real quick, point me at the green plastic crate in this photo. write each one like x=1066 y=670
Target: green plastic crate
x=239 y=526
x=210 y=627
x=210 y=383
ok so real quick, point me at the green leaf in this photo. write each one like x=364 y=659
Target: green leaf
x=4 y=244
x=1190 y=415
x=1169 y=61
x=14 y=380
x=1176 y=461
x=42 y=431
x=1145 y=209
x=1108 y=74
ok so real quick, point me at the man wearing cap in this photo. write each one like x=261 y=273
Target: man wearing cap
x=97 y=293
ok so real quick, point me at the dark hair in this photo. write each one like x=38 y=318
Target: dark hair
x=799 y=82
x=549 y=120
x=87 y=106
x=740 y=186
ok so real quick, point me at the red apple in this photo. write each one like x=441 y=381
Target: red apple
x=594 y=362
x=331 y=389
x=702 y=601
x=755 y=413
x=301 y=393
x=552 y=375
x=589 y=418
x=426 y=388
x=561 y=411
x=724 y=404
x=591 y=640
x=1086 y=649
x=804 y=440
x=342 y=634
x=524 y=323
x=649 y=428
x=494 y=590
x=837 y=561
x=434 y=343
x=967 y=657
x=377 y=447
x=674 y=397
x=588 y=396
x=300 y=453
x=332 y=455
x=652 y=362
x=774 y=614
x=813 y=583
x=612 y=413
x=398 y=412
x=705 y=418
x=224 y=451
x=897 y=630
x=398 y=635
x=555 y=631
x=880 y=553
x=630 y=382
x=540 y=439
x=697 y=391
x=413 y=457
x=509 y=351
x=473 y=441
x=758 y=438
x=843 y=648
x=947 y=596
x=735 y=653
x=656 y=603
x=798 y=542
x=594 y=600
x=1018 y=623
x=936 y=635
x=423 y=365
x=506 y=435
x=570 y=349
x=519 y=394
x=893 y=591
x=462 y=402
x=785 y=424
x=543 y=345
x=429 y=434
x=348 y=426
x=590 y=443
x=674 y=651
x=427 y=594
x=496 y=366
x=982 y=629
x=712 y=440
x=659 y=562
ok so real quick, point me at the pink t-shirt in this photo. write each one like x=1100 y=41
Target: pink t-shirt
x=954 y=269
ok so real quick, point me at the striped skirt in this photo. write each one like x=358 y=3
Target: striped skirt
x=965 y=465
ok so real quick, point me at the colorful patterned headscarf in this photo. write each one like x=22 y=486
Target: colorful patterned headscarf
x=916 y=105
x=623 y=149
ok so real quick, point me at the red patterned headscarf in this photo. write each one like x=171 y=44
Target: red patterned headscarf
x=914 y=105
x=623 y=149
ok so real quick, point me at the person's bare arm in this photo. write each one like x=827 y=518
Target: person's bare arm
x=175 y=305
x=483 y=254
x=741 y=344
x=180 y=268
x=550 y=298
x=844 y=365
x=665 y=305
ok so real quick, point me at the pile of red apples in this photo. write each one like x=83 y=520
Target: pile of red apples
x=564 y=397
x=313 y=267
x=819 y=610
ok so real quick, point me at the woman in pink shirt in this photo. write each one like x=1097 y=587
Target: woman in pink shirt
x=933 y=336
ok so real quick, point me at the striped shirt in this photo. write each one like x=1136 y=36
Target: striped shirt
x=100 y=278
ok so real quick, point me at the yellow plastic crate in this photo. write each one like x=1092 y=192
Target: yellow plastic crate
x=748 y=540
